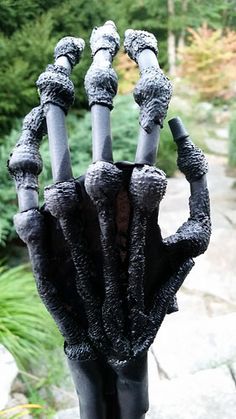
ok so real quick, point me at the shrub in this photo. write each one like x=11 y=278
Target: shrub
x=127 y=71
x=208 y=62
x=23 y=56
x=27 y=48
x=8 y=204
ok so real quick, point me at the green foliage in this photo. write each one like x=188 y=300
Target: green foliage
x=217 y=13
x=26 y=328
x=232 y=141
x=15 y=13
x=8 y=204
x=23 y=57
x=30 y=30
x=26 y=50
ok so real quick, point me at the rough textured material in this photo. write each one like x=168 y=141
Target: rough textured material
x=101 y=80
x=101 y=85
x=102 y=183
x=71 y=48
x=142 y=282
x=192 y=238
x=191 y=160
x=25 y=162
x=147 y=188
x=51 y=265
x=137 y=41
x=63 y=201
x=105 y=37
x=153 y=91
x=54 y=84
x=55 y=87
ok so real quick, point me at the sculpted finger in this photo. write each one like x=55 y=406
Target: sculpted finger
x=192 y=238
x=57 y=95
x=101 y=87
x=152 y=93
x=25 y=163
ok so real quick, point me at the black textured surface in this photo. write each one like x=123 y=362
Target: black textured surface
x=101 y=85
x=105 y=37
x=54 y=272
x=136 y=41
x=102 y=182
x=71 y=48
x=192 y=238
x=56 y=87
x=123 y=274
x=54 y=84
x=101 y=80
x=191 y=160
x=25 y=162
x=152 y=93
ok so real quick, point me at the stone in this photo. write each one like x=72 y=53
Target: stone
x=64 y=398
x=178 y=102
x=214 y=272
x=217 y=146
x=16 y=401
x=232 y=368
x=18 y=386
x=217 y=306
x=9 y=372
x=222 y=132
x=190 y=305
x=207 y=394
x=184 y=347
x=203 y=111
x=68 y=414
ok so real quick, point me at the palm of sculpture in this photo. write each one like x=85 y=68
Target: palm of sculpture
x=101 y=266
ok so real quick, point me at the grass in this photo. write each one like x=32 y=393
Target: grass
x=29 y=333
x=26 y=328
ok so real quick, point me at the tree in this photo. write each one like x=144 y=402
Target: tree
x=171 y=39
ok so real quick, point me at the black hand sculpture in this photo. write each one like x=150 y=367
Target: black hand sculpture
x=101 y=266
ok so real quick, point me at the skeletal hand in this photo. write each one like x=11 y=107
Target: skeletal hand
x=101 y=266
